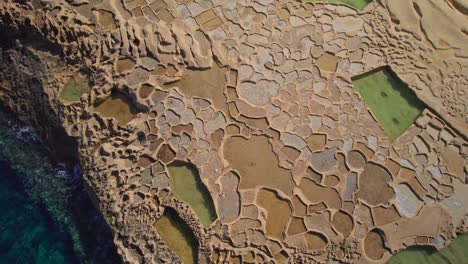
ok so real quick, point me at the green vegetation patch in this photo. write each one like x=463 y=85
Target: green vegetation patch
x=359 y=4
x=75 y=88
x=188 y=187
x=178 y=236
x=456 y=252
x=391 y=101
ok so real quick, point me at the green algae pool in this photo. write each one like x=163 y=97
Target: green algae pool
x=188 y=187
x=393 y=103
x=75 y=88
x=178 y=236
x=359 y=4
x=455 y=253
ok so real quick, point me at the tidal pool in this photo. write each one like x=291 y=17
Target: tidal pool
x=117 y=106
x=178 y=236
x=188 y=187
x=75 y=88
x=455 y=253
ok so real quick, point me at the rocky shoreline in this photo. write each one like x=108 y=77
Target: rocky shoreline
x=60 y=190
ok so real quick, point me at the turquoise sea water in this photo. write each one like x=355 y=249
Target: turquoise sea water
x=46 y=215
x=28 y=234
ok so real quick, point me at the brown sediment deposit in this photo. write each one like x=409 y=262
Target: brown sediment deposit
x=166 y=154
x=204 y=84
x=256 y=163
x=343 y=223
x=106 y=19
x=300 y=208
x=316 y=193
x=124 y=65
x=373 y=185
x=331 y=180
x=328 y=62
x=117 y=106
x=145 y=91
x=374 y=245
x=317 y=141
x=384 y=215
x=277 y=212
x=296 y=226
x=355 y=159
x=315 y=241
x=258 y=96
